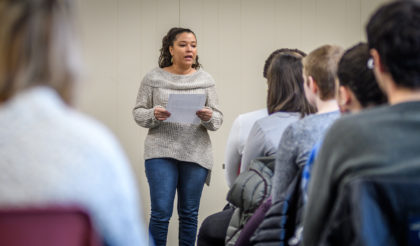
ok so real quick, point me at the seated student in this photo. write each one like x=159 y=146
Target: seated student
x=52 y=155
x=285 y=94
x=240 y=130
x=382 y=140
x=214 y=227
x=319 y=69
x=286 y=103
x=357 y=90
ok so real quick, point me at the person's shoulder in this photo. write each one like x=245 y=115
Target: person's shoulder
x=153 y=73
x=309 y=124
x=364 y=118
x=292 y=130
x=264 y=121
x=301 y=123
x=314 y=121
x=150 y=78
x=251 y=117
x=278 y=118
x=333 y=115
x=373 y=111
x=74 y=130
x=90 y=132
x=257 y=114
x=203 y=75
x=358 y=125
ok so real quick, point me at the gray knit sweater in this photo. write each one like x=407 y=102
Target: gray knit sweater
x=184 y=142
x=294 y=148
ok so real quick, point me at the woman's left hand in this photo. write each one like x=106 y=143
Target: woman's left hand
x=205 y=114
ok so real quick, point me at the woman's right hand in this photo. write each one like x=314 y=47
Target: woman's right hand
x=161 y=113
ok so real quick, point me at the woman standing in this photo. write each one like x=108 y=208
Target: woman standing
x=178 y=155
x=52 y=155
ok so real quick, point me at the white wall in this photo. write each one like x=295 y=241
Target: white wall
x=121 y=39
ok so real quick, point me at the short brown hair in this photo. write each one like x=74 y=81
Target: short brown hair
x=321 y=64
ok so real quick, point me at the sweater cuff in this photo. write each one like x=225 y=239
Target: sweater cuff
x=211 y=118
x=207 y=122
x=154 y=120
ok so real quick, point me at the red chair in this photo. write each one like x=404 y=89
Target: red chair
x=50 y=226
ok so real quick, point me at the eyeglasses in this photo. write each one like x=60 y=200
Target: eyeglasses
x=370 y=63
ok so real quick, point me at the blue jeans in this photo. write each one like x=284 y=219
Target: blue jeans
x=165 y=177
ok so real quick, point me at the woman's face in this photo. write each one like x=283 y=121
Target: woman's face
x=184 y=49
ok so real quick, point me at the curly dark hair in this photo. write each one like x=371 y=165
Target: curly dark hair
x=167 y=41
x=353 y=73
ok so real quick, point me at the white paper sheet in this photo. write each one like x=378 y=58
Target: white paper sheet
x=183 y=107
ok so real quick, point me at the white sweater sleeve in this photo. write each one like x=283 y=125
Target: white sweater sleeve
x=233 y=153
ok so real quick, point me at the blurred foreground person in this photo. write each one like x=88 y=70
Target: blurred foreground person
x=51 y=154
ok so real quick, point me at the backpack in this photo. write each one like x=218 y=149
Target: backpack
x=249 y=190
x=283 y=217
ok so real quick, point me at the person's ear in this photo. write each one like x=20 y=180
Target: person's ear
x=382 y=75
x=171 y=50
x=377 y=62
x=344 y=98
x=312 y=84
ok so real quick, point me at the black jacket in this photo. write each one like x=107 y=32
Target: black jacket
x=280 y=221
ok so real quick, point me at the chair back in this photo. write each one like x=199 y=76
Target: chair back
x=47 y=226
x=375 y=210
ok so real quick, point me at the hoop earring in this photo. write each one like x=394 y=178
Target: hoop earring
x=172 y=59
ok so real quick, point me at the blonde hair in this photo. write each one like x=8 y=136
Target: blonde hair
x=321 y=64
x=37 y=47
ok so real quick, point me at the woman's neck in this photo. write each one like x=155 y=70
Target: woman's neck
x=176 y=69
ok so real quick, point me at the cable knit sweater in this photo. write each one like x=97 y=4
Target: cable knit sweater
x=51 y=154
x=184 y=142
